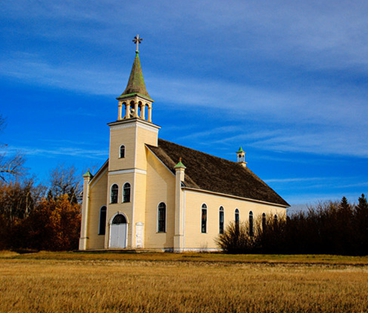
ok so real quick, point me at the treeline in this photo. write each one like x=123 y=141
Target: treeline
x=327 y=228
x=35 y=216
x=38 y=217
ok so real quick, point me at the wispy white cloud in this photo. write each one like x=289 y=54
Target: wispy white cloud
x=313 y=34
x=319 y=182
x=302 y=190
x=293 y=180
x=314 y=120
x=30 y=68
x=57 y=151
x=289 y=76
x=324 y=142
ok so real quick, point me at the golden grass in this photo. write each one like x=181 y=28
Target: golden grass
x=145 y=282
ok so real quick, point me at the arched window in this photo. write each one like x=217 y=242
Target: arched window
x=126 y=193
x=221 y=220
x=114 y=194
x=237 y=216
x=102 y=221
x=263 y=221
x=119 y=219
x=237 y=220
x=161 y=217
x=204 y=214
x=122 y=151
x=251 y=223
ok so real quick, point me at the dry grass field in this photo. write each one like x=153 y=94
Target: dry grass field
x=164 y=282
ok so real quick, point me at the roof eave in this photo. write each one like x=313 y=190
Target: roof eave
x=286 y=205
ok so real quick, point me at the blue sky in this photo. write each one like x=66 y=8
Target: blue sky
x=286 y=80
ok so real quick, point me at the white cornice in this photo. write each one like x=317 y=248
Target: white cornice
x=234 y=197
x=123 y=171
x=128 y=123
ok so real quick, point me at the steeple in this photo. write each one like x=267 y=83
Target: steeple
x=136 y=83
x=135 y=97
x=241 y=157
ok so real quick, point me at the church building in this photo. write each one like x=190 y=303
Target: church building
x=153 y=194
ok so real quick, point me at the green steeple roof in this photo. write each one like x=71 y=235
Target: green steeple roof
x=136 y=83
x=180 y=164
x=88 y=174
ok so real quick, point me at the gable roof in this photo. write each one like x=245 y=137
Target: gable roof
x=210 y=173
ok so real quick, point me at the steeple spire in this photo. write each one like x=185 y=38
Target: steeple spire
x=135 y=99
x=136 y=83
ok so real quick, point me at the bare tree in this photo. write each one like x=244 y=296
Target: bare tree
x=65 y=181
x=9 y=166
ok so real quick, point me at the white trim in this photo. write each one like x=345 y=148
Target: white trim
x=127 y=123
x=132 y=170
x=234 y=197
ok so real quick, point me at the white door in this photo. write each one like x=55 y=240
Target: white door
x=118 y=232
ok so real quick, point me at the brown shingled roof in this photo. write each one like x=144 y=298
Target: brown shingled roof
x=207 y=172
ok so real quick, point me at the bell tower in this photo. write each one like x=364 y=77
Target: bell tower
x=135 y=101
x=127 y=165
x=241 y=157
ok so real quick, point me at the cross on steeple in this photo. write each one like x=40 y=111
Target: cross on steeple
x=137 y=40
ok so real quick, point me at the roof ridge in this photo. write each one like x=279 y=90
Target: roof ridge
x=213 y=173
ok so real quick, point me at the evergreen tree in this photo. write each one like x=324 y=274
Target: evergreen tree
x=360 y=226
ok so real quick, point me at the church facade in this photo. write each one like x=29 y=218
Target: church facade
x=157 y=195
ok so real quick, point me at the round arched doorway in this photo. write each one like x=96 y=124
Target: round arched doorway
x=118 y=232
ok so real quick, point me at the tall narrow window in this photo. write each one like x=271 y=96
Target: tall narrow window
x=161 y=217
x=126 y=193
x=263 y=221
x=114 y=194
x=122 y=151
x=237 y=220
x=237 y=216
x=204 y=214
x=221 y=220
x=102 y=221
x=251 y=223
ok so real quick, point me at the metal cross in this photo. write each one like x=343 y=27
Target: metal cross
x=137 y=40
